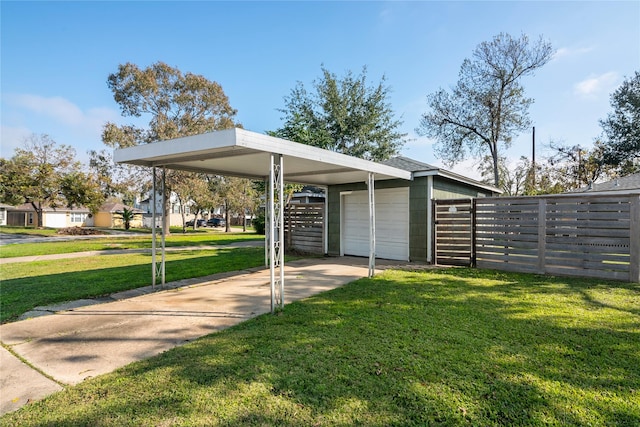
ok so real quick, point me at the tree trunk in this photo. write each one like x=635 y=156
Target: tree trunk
x=167 y=214
x=227 y=217
x=39 y=215
x=496 y=173
x=244 y=220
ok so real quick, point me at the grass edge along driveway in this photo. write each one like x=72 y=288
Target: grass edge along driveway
x=450 y=347
x=29 y=285
x=131 y=241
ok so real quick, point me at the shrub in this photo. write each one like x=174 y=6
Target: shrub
x=259 y=223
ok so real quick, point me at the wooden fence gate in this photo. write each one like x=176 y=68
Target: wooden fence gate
x=453 y=232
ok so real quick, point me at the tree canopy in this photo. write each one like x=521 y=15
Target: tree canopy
x=345 y=115
x=176 y=105
x=622 y=128
x=487 y=108
x=45 y=173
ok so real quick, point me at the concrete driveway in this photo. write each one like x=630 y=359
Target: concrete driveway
x=74 y=344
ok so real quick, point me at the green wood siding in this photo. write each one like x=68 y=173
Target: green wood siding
x=444 y=188
x=418 y=220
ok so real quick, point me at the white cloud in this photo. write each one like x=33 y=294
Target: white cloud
x=64 y=111
x=12 y=138
x=596 y=85
x=66 y=122
x=385 y=14
x=56 y=107
x=565 y=52
x=468 y=168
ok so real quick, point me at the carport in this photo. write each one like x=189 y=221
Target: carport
x=241 y=153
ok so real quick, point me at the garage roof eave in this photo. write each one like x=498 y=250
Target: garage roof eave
x=238 y=152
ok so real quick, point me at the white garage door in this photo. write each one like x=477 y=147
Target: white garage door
x=55 y=219
x=392 y=223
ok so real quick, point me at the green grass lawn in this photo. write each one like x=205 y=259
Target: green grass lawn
x=28 y=285
x=135 y=241
x=450 y=347
x=28 y=230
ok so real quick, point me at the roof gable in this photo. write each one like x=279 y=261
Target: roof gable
x=114 y=207
x=623 y=184
x=408 y=164
x=418 y=168
x=45 y=208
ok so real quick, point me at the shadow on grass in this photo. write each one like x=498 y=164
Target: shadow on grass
x=445 y=348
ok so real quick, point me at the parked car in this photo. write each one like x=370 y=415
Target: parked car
x=201 y=223
x=216 y=222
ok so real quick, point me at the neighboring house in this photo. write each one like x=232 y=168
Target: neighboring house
x=25 y=215
x=308 y=194
x=175 y=217
x=146 y=205
x=403 y=211
x=109 y=216
x=629 y=184
x=3 y=213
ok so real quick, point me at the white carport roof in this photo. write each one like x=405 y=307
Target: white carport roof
x=238 y=152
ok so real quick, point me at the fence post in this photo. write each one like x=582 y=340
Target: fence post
x=473 y=231
x=542 y=234
x=289 y=212
x=434 y=232
x=634 y=239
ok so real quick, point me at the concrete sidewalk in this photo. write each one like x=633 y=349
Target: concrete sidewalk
x=70 y=346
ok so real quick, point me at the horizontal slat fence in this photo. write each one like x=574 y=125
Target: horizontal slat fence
x=588 y=236
x=507 y=234
x=304 y=228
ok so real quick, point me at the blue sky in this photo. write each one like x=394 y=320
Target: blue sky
x=56 y=56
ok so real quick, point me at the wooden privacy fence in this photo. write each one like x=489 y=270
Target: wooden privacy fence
x=590 y=236
x=304 y=228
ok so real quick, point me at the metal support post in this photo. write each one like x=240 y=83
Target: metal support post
x=158 y=268
x=276 y=231
x=153 y=231
x=372 y=225
x=164 y=224
x=267 y=221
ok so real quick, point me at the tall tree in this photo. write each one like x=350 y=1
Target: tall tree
x=119 y=181
x=176 y=105
x=345 y=115
x=236 y=195
x=193 y=191
x=573 y=167
x=82 y=189
x=487 y=108
x=622 y=128
x=513 y=180
x=45 y=173
x=245 y=200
